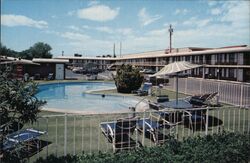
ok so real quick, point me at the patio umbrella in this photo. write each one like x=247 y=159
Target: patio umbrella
x=174 y=69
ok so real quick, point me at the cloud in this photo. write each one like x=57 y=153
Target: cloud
x=71 y=13
x=20 y=20
x=212 y=2
x=83 y=43
x=236 y=13
x=125 y=31
x=93 y=2
x=75 y=28
x=147 y=19
x=52 y=32
x=194 y=21
x=54 y=16
x=158 y=32
x=86 y=27
x=105 y=29
x=216 y=11
x=100 y=13
x=181 y=11
x=175 y=23
x=229 y=27
x=109 y=30
x=75 y=36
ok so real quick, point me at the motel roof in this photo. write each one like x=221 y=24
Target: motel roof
x=161 y=53
x=17 y=61
x=176 y=52
x=87 y=58
x=50 y=60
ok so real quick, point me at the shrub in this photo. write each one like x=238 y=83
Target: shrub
x=127 y=79
x=18 y=105
x=224 y=147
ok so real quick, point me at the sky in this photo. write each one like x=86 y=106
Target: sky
x=92 y=27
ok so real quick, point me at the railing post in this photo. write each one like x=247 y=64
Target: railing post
x=143 y=129
x=218 y=87
x=186 y=80
x=206 y=127
x=47 y=151
x=74 y=150
x=65 y=134
x=200 y=86
x=56 y=137
x=241 y=95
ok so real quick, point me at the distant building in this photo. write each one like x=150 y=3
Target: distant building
x=225 y=63
x=55 y=67
x=38 y=68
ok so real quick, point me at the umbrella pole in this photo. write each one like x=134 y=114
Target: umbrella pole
x=176 y=85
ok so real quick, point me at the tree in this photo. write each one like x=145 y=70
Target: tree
x=4 y=51
x=127 y=79
x=18 y=104
x=38 y=50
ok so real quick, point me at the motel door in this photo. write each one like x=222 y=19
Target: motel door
x=59 y=71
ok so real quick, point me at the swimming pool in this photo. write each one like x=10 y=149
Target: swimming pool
x=72 y=97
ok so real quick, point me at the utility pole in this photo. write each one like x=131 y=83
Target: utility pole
x=170 y=37
x=114 y=51
x=62 y=53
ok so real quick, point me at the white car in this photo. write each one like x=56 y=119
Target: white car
x=77 y=69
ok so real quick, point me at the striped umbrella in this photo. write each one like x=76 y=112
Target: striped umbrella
x=173 y=69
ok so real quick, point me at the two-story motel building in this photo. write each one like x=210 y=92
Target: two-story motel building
x=226 y=63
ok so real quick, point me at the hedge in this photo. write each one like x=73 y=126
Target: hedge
x=223 y=147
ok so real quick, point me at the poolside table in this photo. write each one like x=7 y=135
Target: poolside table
x=182 y=104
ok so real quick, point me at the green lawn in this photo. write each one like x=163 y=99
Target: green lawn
x=84 y=134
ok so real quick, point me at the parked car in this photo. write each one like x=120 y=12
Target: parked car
x=77 y=70
x=158 y=80
x=148 y=71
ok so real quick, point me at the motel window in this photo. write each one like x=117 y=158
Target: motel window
x=231 y=73
x=224 y=72
x=208 y=59
x=200 y=71
x=201 y=59
x=193 y=58
x=219 y=58
x=225 y=57
x=231 y=58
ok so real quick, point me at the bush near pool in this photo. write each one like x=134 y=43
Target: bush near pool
x=223 y=147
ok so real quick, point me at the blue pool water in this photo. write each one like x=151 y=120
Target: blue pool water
x=72 y=97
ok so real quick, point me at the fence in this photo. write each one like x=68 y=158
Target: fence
x=73 y=134
x=229 y=92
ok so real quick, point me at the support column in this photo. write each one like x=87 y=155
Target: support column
x=157 y=63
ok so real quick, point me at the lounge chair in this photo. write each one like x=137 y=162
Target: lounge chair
x=151 y=128
x=144 y=90
x=118 y=133
x=50 y=76
x=25 y=142
x=201 y=100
